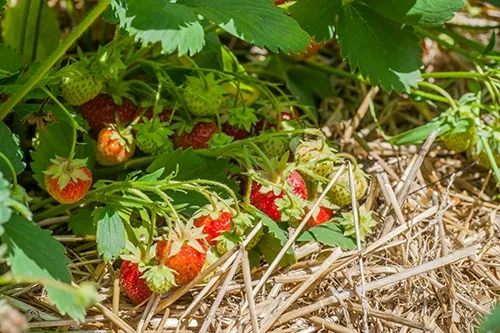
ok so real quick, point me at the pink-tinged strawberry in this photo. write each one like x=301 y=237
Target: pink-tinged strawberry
x=213 y=221
x=102 y=110
x=79 y=86
x=67 y=181
x=197 y=138
x=160 y=278
x=340 y=193
x=114 y=146
x=265 y=199
x=133 y=284
x=184 y=252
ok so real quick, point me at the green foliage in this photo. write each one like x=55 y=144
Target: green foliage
x=54 y=140
x=317 y=17
x=81 y=222
x=2 y=4
x=34 y=254
x=10 y=65
x=492 y=322
x=328 y=234
x=177 y=26
x=417 y=12
x=40 y=34
x=111 y=237
x=246 y=19
x=12 y=200
x=384 y=51
x=272 y=242
x=10 y=148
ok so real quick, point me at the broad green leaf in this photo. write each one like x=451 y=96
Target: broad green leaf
x=110 y=234
x=82 y=222
x=328 y=234
x=10 y=148
x=417 y=12
x=173 y=25
x=54 y=140
x=492 y=322
x=270 y=246
x=258 y=22
x=317 y=17
x=2 y=4
x=34 y=253
x=10 y=64
x=384 y=51
x=12 y=200
x=40 y=33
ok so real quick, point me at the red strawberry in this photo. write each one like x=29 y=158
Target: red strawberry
x=132 y=282
x=266 y=201
x=184 y=252
x=114 y=146
x=67 y=182
x=214 y=224
x=102 y=110
x=321 y=215
x=235 y=132
x=198 y=137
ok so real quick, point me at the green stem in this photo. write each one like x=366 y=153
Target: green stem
x=266 y=161
x=54 y=57
x=472 y=27
x=11 y=167
x=429 y=96
x=463 y=40
x=440 y=90
x=491 y=158
x=72 y=121
x=454 y=75
x=334 y=71
x=210 y=28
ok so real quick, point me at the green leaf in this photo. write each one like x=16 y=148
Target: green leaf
x=2 y=4
x=385 y=52
x=82 y=223
x=494 y=2
x=491 y=43
x=34 y=253
x=10 y=148
x=12 y=199
x=54 y=140
x=270 y=246
x=417 y=12
x=173 y=25
x=255 y=21
x=328 y=234
x=10 y=63
x=40 y=33
x=492 y=322
x=317 y=17
x=110 y=234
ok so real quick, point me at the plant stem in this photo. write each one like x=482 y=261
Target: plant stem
x=440 y=90
x=454 y=75
x=72 y=121
x=12 y=170
x=491 y=158
x=334 y=71
x=54 y=57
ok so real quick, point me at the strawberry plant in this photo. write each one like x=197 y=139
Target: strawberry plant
x=176 y=139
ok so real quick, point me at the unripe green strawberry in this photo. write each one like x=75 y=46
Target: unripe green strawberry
x=212 y=256
x=459 y=142
x=203 y=97
x=340 y=193
x=255 y=240
x=318 y=154
x=79 y=86
x=159 y=278
x=275 y=146
x=153 y=137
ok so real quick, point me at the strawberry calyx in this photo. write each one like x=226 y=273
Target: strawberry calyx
x=366 y=223
x=122 y=134
x=186 y=235
x=243 y=118
x=160 y=278
x=65 y=170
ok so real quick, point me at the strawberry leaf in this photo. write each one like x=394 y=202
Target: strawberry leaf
x=81 y=223
x=317 y=17
x=2 y=4
x=10 y=148
x=173 y=25
x=417 y=12
x=255 y=21
x=110 y=236
x=328 y=234
x=34 y=254
x=385 y=52
x=270 y=246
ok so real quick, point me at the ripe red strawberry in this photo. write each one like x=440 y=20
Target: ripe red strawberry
x=114 y=146
x=235 y=132
x=340 y=193
x=184 y=252
x=197 y=138
x=266 y=201
x=67 y=182
x=102 y=110
x=213 y=223
x=133 y=283
x=321 y=215
x=79 y=86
